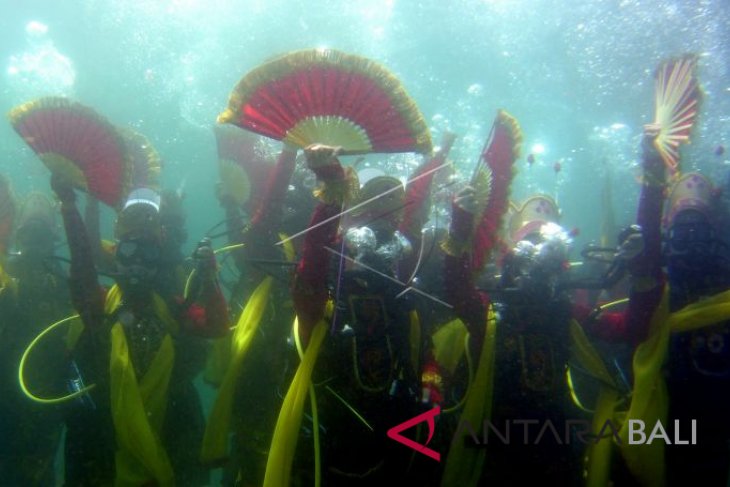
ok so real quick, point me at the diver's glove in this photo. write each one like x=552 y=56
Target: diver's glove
x=63 y=188
x=338 y=184
x=631 y=243
x=204 y=259
x=653 y=168
x=322 y=159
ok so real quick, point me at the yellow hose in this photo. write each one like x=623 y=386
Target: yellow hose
x=618 y=302
x=228 y=248
x=21 y=369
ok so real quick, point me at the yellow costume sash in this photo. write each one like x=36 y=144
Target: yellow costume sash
x=138 y=407
x=650 y=399
x=464 y=465
x=598 y=455
x=215 y=442
x=449 y=345
x=286 y=432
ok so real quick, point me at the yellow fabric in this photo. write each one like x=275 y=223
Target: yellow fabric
x=464 y=465
x=649 y=399
x=218 y=361
x=6 y=282
x=586 y=355
x=598 y=455
x=138 y=412
x=138 y=408
x=215 y=441
x=710 y=311
x=74 y=333
x=286 y=433
x=449 y=345
x=288 y=245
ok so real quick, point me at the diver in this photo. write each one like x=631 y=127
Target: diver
x=365 y=379
x=698 y=370
x=129 y=348
x=263 y=270
x=37 y=296
x=532 y=343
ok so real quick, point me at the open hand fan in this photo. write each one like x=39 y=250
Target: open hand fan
x=491 y=182
x=79 y=143
x=243 y=167
x=677 y=99
x=7 y=213
x=328 y=97
x=144 y=160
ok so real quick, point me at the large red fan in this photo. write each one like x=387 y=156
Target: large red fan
x=79 y=143
x=491 y=181
x=144 y=160
x=7 y=214
x=328 y=97
x=243 y=165
x=677 y=100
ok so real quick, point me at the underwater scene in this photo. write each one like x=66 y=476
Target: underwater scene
x=327 y=243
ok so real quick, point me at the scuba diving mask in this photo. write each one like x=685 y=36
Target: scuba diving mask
x=140 y=252
x=691 y=240
x=363 y=243
x=137 y=260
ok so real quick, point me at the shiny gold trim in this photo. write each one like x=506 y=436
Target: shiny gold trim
x=306 y=59
x=17 y=116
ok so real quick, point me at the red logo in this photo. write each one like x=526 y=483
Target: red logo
x=394 y=433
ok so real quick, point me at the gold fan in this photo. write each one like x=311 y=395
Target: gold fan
x=677 y=100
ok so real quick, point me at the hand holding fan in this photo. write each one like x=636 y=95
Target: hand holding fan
x=677 y=98
x=78 y=143
x=328 y=97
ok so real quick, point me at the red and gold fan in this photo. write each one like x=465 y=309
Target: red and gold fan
x=491 y=182
x=144 y=160
x=7 y=214
x=328 y=97
x=677 y=100
x=243 y=166
x=74 y=140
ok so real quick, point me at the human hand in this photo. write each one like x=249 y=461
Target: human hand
x=466 y=200
x=631 y=243
x=651 y=132
x=62 y=187
x=320 y=155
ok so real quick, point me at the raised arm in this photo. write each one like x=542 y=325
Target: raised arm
x=205 y=312
x=646 y=271
x=86 y=294
x=310 y=281
x=469 y=304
